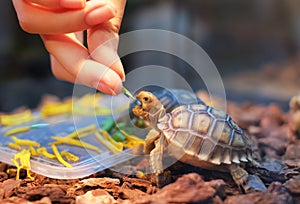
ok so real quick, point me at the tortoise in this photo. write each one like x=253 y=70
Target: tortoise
x=196 y=134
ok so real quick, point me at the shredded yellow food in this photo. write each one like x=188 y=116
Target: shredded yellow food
x=69 y=156
x=131 y=140
x=59 y=157
x=75 y=142
x=15 y=119
x=14 y=146
x=17 y=130
x=141 y=174
x=89 y=105
x=111 y=144
x=25 y=142
x=82 y=132
x=43 y=151
x=51 y=109
x=11 y=171
x=22 y=160
x=33 y=152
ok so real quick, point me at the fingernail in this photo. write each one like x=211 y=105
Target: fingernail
x=119 y=69
x=100 y=15
x=73 y=4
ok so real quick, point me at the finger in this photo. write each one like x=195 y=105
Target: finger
x=60 y=72
x=74 y=57
x=32 y=18
x=103 y=45
x=71 y=4
x=103 y=40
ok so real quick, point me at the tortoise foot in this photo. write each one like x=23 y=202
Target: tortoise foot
x=239 y=175
x=162 y=179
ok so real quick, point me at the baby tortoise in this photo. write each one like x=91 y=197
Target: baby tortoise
x=195 y=134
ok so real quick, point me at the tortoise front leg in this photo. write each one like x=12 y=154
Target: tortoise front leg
x=156 y=160
x=151 y=137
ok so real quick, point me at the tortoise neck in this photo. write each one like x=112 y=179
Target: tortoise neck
x=155 y=115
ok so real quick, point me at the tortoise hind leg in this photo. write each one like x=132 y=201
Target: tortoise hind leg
x=247 y=182
x=238 y=174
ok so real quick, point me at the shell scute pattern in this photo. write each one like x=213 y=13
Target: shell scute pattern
x=198 y=108
x=181 y=119
x=208 y=134
x=221 y=132
x=238 y=140
x=201 y=123
x=217 y=154
x=194 y=145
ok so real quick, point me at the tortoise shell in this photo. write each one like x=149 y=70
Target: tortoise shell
x=173 y=98
x=206 y=134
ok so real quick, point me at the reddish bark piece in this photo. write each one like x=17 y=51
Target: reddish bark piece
x=276 y=194
x=3 y=167
x=293 y=185
x=141 y=184
x=292 y=152
x=81 y=187
x=189 y=188
x=9 y=187
x=98 y=196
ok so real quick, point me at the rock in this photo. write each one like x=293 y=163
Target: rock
x=141 y=184
x=254 y=183
x=293 y=185
x=269 y=170
x=280 y=193
x=9 y=187
x=101 y=182
x=246 y=120
x=292 y=163
x=254 y=130
x=3 y=167
x=98 y=196
x=44 y=200
x=273 y=143
x=276 y=194
x=131 y=194
x=17 y=200
x=82 y=186
x=189 y=188
x=3 y=176
x=55 y=194
x=251 y=198
x=273 y=116
x=292 y=152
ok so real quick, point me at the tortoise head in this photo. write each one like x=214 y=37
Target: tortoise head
x=150 y=109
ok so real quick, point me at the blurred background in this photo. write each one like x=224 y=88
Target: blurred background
x=254 y=44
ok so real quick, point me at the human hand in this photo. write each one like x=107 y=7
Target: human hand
x=59 y=23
